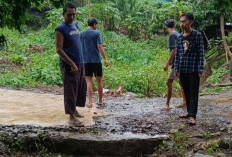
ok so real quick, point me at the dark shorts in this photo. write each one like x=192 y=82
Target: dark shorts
x=93 y=68
x=74 y=88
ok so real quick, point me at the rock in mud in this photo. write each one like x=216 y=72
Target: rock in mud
x=220 y=155
x=226 y=142
x=201 y=155
x=3 y=148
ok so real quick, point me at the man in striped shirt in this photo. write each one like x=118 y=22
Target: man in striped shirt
x=189 y=64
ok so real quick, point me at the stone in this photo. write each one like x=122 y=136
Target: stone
x=201 y=155
x=3 y=148
x=222 y=129
x=172 y=131
x=226 y=142
x=220 y=155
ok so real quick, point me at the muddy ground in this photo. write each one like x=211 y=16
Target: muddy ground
x=128 y=114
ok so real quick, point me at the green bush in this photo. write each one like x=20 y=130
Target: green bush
x=18 y=59
x=215 y=77
x=138 y=65
x=229 y=38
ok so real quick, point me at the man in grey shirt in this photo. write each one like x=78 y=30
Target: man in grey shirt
x=173 y=35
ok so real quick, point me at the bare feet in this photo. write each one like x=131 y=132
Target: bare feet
x=166 y=108
x=75 y=122
x=89 y=105
x=192 y=121
x=184 y=116
x=101 y=102
x=183 y=105
x=78 y=115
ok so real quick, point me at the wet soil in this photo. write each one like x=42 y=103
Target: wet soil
x=129 y=114
x=120 y=119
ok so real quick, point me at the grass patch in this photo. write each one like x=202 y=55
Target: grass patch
x=136 y=64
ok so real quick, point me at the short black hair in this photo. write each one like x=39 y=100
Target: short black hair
x=68 y=5
x=92 y=21
x=170 y=23
x=189 y=16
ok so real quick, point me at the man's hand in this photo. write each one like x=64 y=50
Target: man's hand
x=201 y=74
x=106 y=63
x=186 y=45
x=176 y=74
x=166 y=66
x=74 y=68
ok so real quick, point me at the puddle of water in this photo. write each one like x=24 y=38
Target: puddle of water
x=26 y=108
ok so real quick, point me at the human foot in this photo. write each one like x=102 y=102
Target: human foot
x=192 y=121
x=89 y=105
x=75 y=123
x=101 y=103
x=183 y=105
x=78 y=115
x=166 y=108
x=184 y=116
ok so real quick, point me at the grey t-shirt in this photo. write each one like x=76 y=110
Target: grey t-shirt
x=90 y=38
x=172 y=42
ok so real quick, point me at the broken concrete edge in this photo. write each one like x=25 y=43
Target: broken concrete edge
x=82 y=141
x=87 y=141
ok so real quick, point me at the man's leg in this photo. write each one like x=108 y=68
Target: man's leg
x=89 y=90
x=69 y=82
x=194 y=91
x=183 y=96
x=100 y=89
x=169 y=94
x=81 y=90
x=184 y=79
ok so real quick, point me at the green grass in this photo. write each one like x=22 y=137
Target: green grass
x=215 y=77
x=136 y=64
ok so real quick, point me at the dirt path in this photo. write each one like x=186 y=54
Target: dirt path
x=124 y=114
x=27 y=112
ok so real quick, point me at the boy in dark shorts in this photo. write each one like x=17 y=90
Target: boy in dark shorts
x=172 y=42
x=92 y=48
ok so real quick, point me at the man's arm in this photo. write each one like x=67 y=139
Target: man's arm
x=201 y=56
x=59 y=38
x=169 y=62
x=177 y=59
x=101 y=49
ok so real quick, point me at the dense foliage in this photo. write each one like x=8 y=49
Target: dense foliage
x=137 y=65
x=133 y=36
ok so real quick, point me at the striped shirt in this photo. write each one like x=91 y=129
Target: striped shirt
x=193 y=59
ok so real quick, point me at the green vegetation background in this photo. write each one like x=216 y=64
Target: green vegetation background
x=136 y=58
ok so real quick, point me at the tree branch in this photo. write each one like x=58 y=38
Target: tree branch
x=228 y=52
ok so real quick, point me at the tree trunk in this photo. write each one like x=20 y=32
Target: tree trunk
x=89 y=8
x=208 y=72
x=228 y=52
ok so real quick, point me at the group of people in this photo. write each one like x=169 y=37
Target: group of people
x=80 y=59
